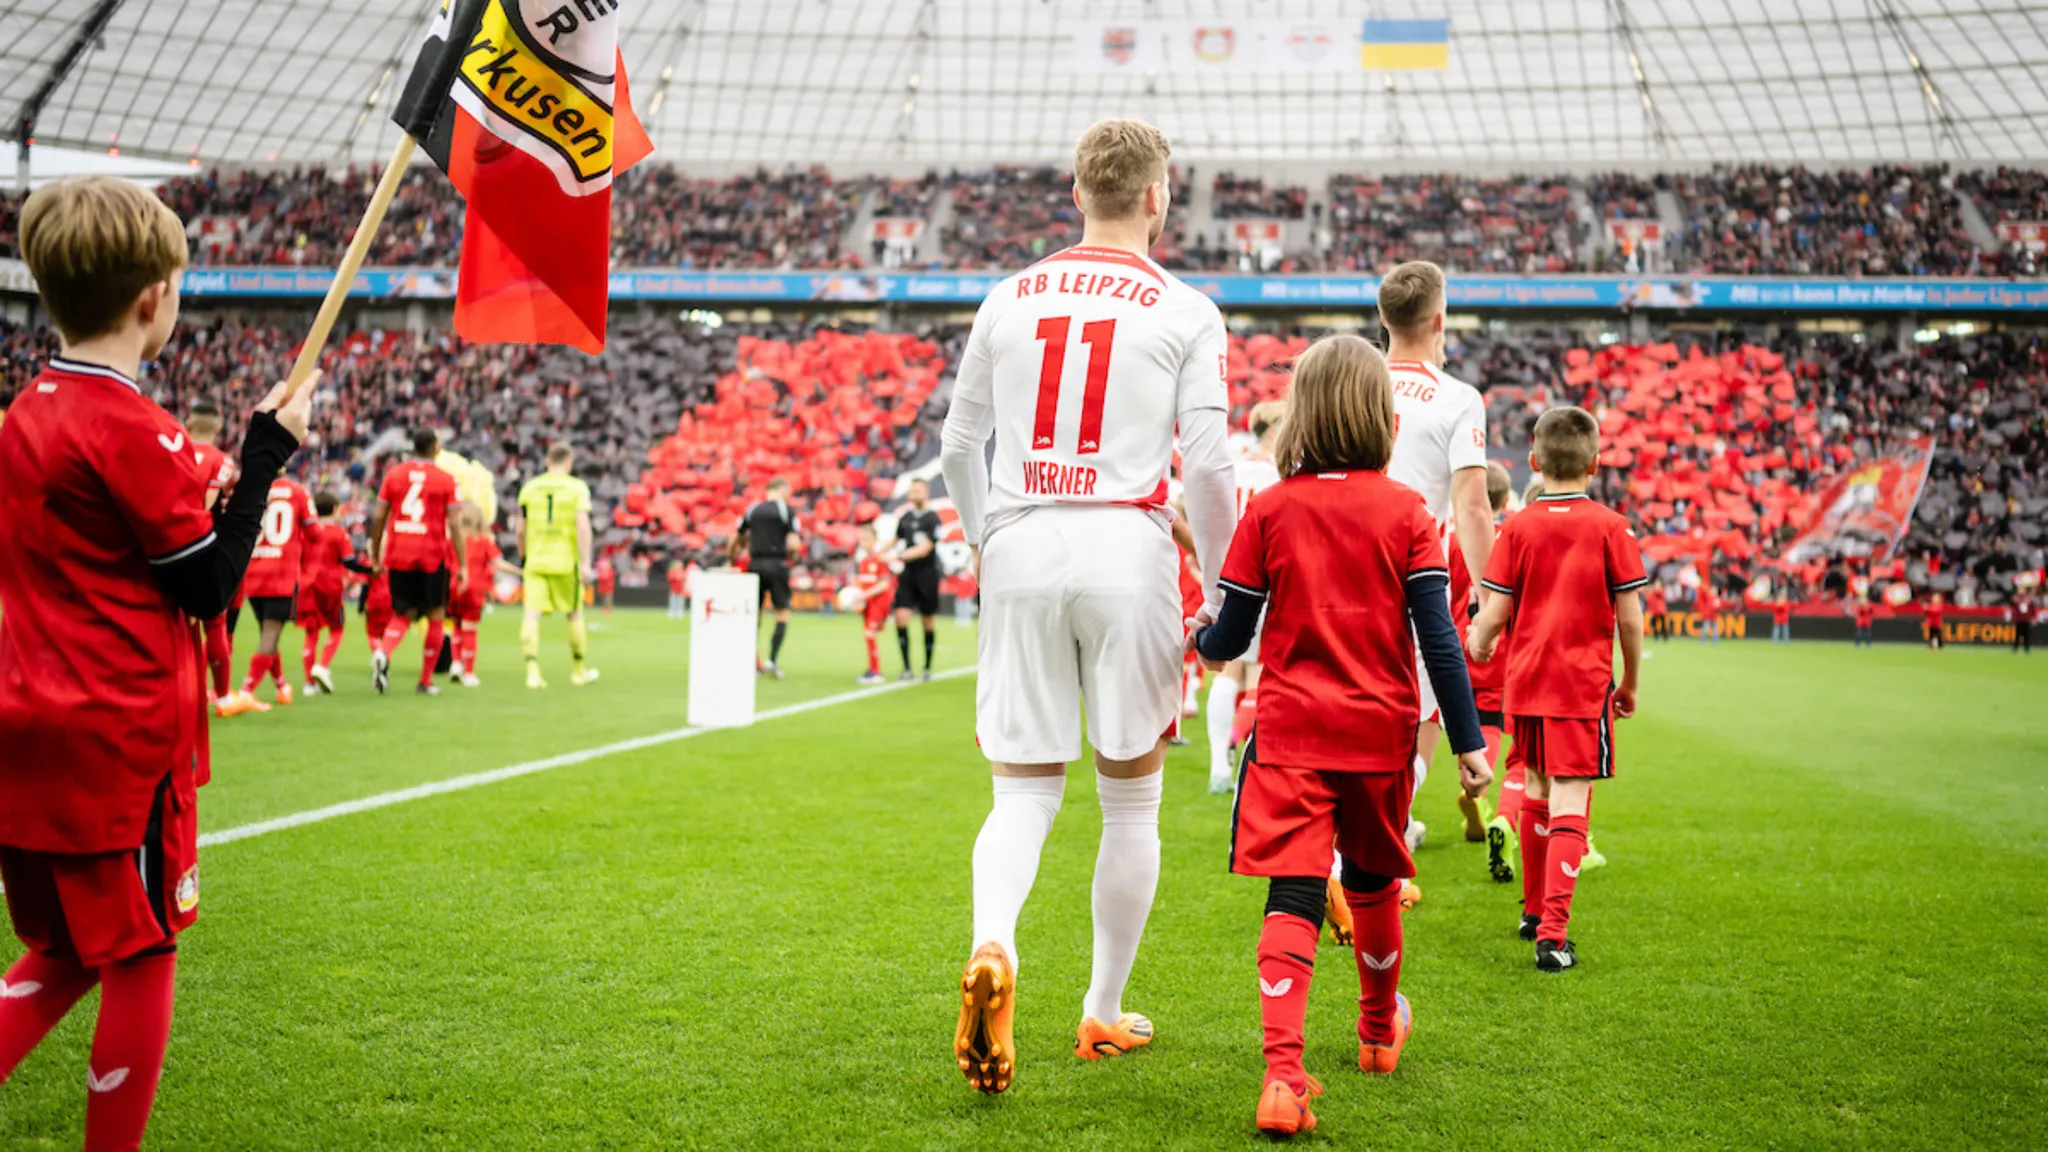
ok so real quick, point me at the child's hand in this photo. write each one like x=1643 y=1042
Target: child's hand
x=1479 y=655
x=1625 y=701
x=1474 y=774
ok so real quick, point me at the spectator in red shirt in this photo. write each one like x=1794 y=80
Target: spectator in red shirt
x=1935 y=613
x=1864 y=613
x=1781 y=619
x=2022 y=616
x=1706 y=604
x=1564 y=577
x=108 y=553
x=1322 y=553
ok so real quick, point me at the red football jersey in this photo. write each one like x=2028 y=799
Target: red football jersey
x=1865 y=613
x=481 y=551
x=677 y=581
x=102 y=700
x=1935 y=614
x=872 y=576
x=1653 y=601
x=327 y=546
x=1781 y=613
x=1332 y=555
x=217 y=466
x=1487 y=678
x=1705 y=602
x=419 y=495
x=1564 y=559
x=280 y=550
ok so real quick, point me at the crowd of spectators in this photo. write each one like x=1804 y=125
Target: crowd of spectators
x=1465 y=223
x=1883 y=221
x=1750 y=220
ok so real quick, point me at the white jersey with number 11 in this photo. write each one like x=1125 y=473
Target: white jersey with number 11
x=1087 y=361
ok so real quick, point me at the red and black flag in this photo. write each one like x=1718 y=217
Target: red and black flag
x=523 y=104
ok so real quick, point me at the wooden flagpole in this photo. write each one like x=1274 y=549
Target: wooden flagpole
x=351 y=263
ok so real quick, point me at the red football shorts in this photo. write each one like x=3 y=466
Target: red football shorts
x=1563 y=748
x=875 y=613
x=319 y=609
x=469 y=606
x=110 y=906
x=1287 y=818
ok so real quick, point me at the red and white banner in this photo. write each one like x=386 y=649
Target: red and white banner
x=1865 y=510
x=1257 y=234
x=898 y=230
x=2028 y=234
x=1636 y=231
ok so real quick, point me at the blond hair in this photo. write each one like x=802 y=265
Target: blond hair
x=93 y=245
x=1340 y=411
x=560 y=453
x=1567 y=441
x=1497 y=484
x=1265 y=415
x=1411 y=295
x=1114 y=163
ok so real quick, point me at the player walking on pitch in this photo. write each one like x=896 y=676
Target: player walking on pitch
x=554 y=531
x=415 y=552
x=917 y=549
x=1440 y=452
x=1081 y=367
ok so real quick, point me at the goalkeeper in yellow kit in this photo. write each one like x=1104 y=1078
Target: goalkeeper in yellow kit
x=554 y=516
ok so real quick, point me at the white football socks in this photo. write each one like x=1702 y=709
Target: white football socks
x=1222 y=713
x=1126 y=877
x=1421 y=774
x=1006 y=854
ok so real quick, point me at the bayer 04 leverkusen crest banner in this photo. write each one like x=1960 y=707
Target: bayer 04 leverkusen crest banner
x=523 y=104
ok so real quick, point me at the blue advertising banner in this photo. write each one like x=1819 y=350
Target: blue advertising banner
x=1580 y=293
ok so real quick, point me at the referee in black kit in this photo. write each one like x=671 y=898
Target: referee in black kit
x=917 y=546
x=769 y=535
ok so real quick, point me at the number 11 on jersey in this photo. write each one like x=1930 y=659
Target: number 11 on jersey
x=1100 y=337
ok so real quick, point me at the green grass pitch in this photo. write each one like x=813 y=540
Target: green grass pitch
x=1823 y=926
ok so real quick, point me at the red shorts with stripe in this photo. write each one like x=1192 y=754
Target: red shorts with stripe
x=875 y=613
x=468 y=605
x=110 y=906
x=1563 y=748
x=319 y=609
x=1286 y=819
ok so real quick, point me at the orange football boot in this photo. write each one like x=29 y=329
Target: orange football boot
x=982 y=1043
x=1410 y=895
x=1380 y=1059
x=1338 y=913
x=284 y=695
x=1283 y=1112
x=1475 y=820
x=1095 y=1040
x=242 y=702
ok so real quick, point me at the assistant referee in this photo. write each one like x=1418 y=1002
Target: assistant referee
x=769 y=535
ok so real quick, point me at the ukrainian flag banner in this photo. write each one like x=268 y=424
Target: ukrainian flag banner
x=527 y=112
x=1406 y=46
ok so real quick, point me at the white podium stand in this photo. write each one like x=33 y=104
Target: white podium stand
x=725 y=617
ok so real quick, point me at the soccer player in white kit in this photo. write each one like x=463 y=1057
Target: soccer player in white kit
x=1082 y=367
x=1439 y=449
x=1255 y=472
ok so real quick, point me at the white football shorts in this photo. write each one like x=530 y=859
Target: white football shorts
x=1078 y=605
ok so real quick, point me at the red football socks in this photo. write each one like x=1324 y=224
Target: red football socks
x=310 y=650
x=1287 y=959
x=874 y=655
x=220 y=655
x=394 y=634
x=34 y=995
x=1510 y=806
x=1535 y=830
x=1376 y=938
x=128 y=1050
x=465 y=646
x=333 y=646
x=1241 y=720
x=1567 y=849
x=430 y=650
x=261 y=665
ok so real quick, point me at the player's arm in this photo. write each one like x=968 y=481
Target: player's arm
x=583 y=541
x=918 y=551
x=970 y=421
x=379 y=520
x=1628 y=625
x=1245 y=584
x=1208 y=475
x=1472 y=518
x=201 y=572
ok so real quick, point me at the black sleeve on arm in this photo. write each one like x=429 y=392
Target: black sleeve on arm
x=202 y=581
x=1235 y=625
x=358 y=567
x=1444 y=656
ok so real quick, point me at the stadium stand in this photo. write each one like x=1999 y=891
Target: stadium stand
x=1233 y=196
x=1467 y=224
x=1883 y=221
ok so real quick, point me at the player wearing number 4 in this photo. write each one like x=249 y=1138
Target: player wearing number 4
x=1081 y=367
x=416 y=555
x=554 y=529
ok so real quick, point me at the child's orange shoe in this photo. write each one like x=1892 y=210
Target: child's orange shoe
x=1410 y=895
x=1283 y=1111
x=1380 y=1059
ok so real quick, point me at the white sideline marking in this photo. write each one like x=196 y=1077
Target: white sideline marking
x=530 y=767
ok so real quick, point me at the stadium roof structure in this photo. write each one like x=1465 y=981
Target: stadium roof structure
x=945 y=82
